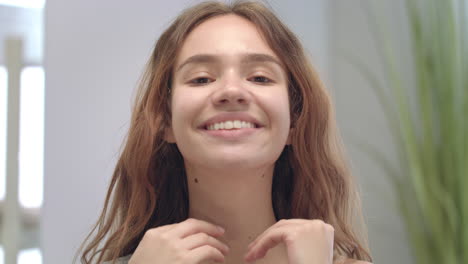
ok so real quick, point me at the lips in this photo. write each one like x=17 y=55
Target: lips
x=230 y=116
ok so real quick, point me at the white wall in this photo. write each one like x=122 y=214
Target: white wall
x=361 y=118
x=94 y=53
x=308 y=19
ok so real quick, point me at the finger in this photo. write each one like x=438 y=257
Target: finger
x=201 y=239
x=192 y=226
x=205 y=253
x=160 y=229
x=278 y=224
x=165 y=228
x=268 y=241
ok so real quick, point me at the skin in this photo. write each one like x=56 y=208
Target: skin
x=230 y=181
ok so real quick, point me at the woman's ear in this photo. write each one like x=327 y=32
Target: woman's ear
x=169 y=135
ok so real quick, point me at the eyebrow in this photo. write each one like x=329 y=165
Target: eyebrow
x=246 y=59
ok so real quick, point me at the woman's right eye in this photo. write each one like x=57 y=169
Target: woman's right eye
x=200 y=81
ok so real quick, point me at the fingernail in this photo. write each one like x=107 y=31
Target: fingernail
x=221 y=229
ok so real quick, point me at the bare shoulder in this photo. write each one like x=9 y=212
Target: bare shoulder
x=351 y=261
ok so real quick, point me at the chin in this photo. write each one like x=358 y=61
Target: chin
x=235 y=164
x=232 y=159
x=239 y=163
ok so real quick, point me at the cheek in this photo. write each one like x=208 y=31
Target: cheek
x=283 y=118
x=279 y=106
x=184 y=107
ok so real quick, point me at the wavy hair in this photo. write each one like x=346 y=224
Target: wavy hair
x=311 y=178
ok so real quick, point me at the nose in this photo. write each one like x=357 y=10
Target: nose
x=231 y=94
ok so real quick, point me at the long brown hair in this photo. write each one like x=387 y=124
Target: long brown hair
x=149 y=187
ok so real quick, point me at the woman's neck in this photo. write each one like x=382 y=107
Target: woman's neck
x=239 y=201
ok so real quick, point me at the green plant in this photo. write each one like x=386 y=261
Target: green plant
x=432 y=131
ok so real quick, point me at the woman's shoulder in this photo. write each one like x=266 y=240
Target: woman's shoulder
x=351 y=261
x=122 y=260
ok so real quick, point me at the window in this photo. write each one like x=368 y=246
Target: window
x=24 y=3
x=31 y=150
x=31 y=156
x=3 y=121
x=28 y=256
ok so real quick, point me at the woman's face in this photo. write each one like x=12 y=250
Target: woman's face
x=229 y=102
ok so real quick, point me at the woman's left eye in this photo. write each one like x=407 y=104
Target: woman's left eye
x=260 y=79
x=201 y=81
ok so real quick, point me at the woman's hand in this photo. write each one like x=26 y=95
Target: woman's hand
x=189 y=242
x=307 y=241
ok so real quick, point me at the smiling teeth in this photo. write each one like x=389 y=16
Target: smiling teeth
x=230 y=125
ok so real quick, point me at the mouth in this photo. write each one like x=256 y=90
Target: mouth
x=231 y=130
x=231 y=121
x=231 y=125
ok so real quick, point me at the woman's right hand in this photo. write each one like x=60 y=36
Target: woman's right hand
x=189 y=242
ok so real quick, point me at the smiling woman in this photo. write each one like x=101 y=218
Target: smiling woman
x=231 y=155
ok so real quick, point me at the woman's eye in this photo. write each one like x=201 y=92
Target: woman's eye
x=260 y=79
x=201 y=80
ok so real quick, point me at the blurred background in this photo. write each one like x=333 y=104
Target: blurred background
x=77 y=64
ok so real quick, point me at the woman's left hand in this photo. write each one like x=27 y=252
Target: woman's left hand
x=307 y=241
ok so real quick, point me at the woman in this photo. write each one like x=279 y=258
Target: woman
x=231 y=155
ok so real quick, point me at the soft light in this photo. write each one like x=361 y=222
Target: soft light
x=24 y=3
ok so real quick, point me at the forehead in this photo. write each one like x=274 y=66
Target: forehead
x=227 y=36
